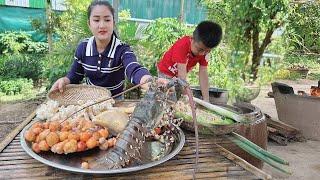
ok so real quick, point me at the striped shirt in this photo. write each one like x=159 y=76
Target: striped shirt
x=107 y=69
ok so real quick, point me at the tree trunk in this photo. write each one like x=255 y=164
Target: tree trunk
x=255 y=54
x=259 y=50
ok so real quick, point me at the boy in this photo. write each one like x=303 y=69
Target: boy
x=186 y=52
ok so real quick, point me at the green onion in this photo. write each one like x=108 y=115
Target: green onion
x=260 y=156
x=257 y=148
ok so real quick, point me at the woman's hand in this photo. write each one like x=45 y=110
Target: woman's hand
x=163 y=81
x=145 y=84
x=60 y=84
x=144 y=80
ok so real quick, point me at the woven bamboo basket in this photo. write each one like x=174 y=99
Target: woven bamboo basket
x=73 y=93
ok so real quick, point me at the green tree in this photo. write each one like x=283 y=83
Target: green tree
x=48 y=26
x=71 y=30
x=249 y=26
x=159 y=36
x=303 y=30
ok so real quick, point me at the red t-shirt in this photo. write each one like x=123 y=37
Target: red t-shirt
x=180 y=52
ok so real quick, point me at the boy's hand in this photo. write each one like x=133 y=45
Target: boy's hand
x=206 y=99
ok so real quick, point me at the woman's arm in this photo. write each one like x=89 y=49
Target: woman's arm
x=134 y=72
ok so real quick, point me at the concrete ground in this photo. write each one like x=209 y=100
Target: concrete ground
x=304 y=157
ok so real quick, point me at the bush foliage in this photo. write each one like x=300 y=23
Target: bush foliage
x=16 y=86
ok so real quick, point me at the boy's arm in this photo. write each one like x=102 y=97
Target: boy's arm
x=204 y=82
x=182 y=71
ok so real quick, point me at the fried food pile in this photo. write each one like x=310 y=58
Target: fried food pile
x=78 y=133
x=68 y=137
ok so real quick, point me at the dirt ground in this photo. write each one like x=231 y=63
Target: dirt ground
x=11 y=114
x=304 y=157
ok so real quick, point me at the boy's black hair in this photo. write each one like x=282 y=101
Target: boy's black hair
x=209 y=33
x=100 y=2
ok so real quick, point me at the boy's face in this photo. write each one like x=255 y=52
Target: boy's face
x=101 y=22
x=198 y=48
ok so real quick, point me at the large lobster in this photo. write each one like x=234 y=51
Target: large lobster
x=146 y=116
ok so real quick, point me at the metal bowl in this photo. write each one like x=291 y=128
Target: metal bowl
x=72 y=162
x=216 y=95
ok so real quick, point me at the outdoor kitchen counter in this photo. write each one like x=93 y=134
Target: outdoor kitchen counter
x=16 y=163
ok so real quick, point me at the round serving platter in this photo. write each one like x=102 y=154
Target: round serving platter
x=72 y=162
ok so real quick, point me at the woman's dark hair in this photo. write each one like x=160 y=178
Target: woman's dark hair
x=209 y=33
x=100 y=2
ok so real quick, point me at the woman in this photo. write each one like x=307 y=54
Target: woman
x=103 y=59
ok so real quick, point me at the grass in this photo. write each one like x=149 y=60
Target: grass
x=22 y=97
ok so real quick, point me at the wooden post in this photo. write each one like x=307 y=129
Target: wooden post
x=181 y=17
x=115 y=4
x=49 y=26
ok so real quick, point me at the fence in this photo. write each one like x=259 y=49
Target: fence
x=16 y=15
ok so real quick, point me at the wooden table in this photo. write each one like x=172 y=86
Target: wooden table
x=214 y=162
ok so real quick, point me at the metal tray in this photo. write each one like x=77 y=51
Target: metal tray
x=72 y=162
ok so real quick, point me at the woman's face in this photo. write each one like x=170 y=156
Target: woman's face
x=101 y=23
